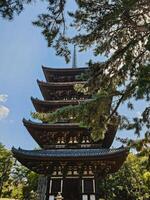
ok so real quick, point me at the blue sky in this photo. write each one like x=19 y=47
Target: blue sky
x=22 y=52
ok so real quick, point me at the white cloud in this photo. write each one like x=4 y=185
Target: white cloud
x=4 y=111
x=3 y=97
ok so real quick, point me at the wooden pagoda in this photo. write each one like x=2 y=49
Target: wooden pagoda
x=69 y=161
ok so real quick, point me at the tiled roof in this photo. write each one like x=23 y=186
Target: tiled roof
x=52 y=69
x=68 y=152
x=57 y=84
x=58 y=125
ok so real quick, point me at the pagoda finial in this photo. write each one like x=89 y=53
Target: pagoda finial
x=74 y=61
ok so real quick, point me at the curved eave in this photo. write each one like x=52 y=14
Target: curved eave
x=59 y=84
x=49 y=106
x=44 y=129
x=62 y=126
x=41 y=132
x=57 y=154
x=58 y=70
x=48 y=158
x=62 y=71
x=49 y=89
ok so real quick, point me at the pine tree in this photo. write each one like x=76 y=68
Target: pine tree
x=118 y=29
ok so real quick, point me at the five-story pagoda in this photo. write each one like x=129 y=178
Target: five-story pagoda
x=69 y=161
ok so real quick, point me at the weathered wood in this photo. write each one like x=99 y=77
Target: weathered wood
x=69 y=162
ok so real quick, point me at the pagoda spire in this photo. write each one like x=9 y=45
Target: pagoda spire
x=68 y=156
x=74 y=61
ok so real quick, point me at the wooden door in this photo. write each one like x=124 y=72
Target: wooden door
x=71 y=189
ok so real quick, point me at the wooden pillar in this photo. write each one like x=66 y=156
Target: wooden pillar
x=82 y=185
x=50 y=186
x=97 y=189
x=63 y=182
x=61 y=186
x=47 y=189
x=94 y=186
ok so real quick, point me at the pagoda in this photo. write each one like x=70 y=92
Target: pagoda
x=69 y=161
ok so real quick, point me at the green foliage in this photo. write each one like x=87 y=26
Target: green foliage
x=54 y=27
x=8 y=8
x=25 y=180
x=92 y=113
x=30 y=188
x=16 y=181
x=132 y=181
x=6 y=163
x=119 y=30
